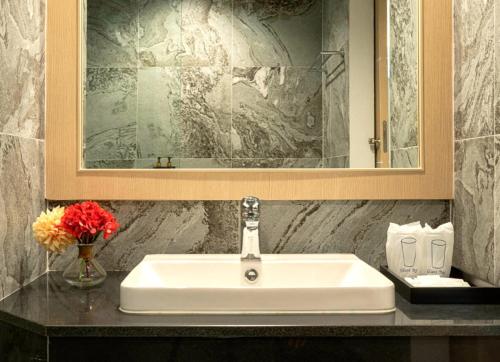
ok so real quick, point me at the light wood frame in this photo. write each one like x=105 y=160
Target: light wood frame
x=65 y=180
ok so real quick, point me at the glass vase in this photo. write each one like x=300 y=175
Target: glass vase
x=85 y=272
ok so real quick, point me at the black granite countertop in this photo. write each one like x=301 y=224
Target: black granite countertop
x=49 y=306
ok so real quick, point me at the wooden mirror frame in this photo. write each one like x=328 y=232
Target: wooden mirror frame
x=65 y=180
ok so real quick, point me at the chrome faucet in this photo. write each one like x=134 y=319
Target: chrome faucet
x=249 y=231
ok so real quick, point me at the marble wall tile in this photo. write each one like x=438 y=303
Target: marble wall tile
x=474 y=207
x=276 y=33
x=112 y=37
x=160 y=38
x=207 y=32
x=496 y=213
x=163 y=228
x=474 y=68
x=21 y=201
x=158 y=124
x=111 y=107
x=277 y=163
x=276 y=113
x=358 y=227
x=405 y=157
x=22 y=61
x=403 y=79
x=205 y=118
x=497 y=66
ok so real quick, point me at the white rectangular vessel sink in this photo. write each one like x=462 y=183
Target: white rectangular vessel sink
x=216 y=284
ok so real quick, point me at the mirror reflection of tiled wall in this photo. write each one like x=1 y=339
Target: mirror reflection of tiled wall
x=214 y=83
x=403 y=84
x=235 y=83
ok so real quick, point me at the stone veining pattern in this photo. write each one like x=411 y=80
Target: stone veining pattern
x=477 y=196
x=22 y=61
x=277 y=113
x=403 y=83
x=163 y=228
x=287 y=227
x=474 y=188
x=21 y=201
x=111 y=107
x=474 y=67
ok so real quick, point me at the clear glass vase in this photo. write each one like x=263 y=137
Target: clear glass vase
x=85 y=271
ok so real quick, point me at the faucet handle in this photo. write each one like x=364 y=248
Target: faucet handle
x=250 y=208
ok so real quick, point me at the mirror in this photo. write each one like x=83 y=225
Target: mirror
x=186 y=84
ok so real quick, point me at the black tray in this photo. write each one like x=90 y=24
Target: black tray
x=474 y=295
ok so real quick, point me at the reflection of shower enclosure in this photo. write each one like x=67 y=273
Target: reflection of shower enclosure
x=333 y=60
x=409 y=249
x=438 y=251
x=347 y=63
x=332 y=65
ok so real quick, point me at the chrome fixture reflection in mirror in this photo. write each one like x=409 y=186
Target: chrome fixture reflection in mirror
x=250 y=84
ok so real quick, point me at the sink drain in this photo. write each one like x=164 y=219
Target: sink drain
x=251 y=275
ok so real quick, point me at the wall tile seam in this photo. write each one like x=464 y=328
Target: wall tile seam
x=25 y=283
x=21 y=136
x=493 y=133
x=405 y=148
x=475 y=138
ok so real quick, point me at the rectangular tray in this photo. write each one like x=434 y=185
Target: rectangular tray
x=473 y=295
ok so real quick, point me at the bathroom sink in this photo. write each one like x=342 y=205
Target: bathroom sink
x=220 y=284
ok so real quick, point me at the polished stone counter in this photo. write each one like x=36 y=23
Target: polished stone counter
x=50 y=307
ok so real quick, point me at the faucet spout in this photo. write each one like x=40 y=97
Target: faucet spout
x=250 y=243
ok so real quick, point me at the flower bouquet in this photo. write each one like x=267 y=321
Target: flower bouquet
x=79 y=224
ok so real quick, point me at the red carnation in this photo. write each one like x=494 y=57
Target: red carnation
x=87 y=220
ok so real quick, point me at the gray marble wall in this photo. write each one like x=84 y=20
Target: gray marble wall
x=403 y=83
x=477 y=131
x=22 y=26
x=358 y=227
